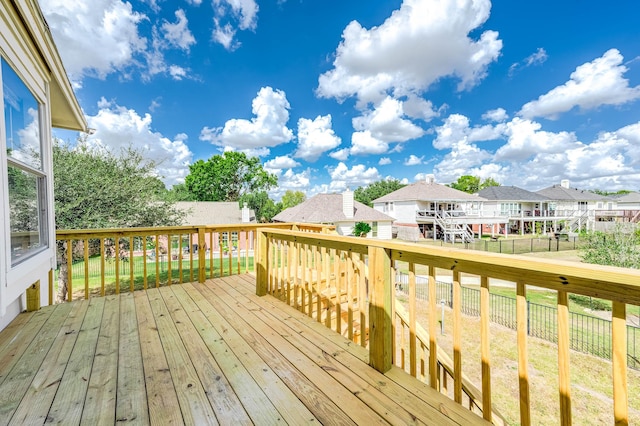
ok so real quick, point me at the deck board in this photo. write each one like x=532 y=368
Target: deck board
x=210 y=353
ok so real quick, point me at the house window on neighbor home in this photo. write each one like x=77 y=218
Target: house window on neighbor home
x=27 y=180
x=388 y=207
x=374 y=229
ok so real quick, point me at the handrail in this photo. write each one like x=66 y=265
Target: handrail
x=143 y=256
x=347 y=283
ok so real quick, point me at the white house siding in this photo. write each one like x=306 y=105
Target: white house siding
x=41 y=79
x=403 y=211
x=344 y=228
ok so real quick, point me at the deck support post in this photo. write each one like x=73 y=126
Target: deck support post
x=262 y=267
x=380 y=309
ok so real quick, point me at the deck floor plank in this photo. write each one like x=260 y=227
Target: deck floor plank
x=131 y=400
x=162 y=399
x=283 y=398
x=67 y=406
x=324 y=393
x=25 y=367
x=396 y=384
x=227 y=407
x=200 y=354
x=35 y=405
x=100 y=403
x=194 y=403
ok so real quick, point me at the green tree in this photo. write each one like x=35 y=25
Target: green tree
x=292 y=198
x=375 y=190
x=227 y=177
x=472 y=184
x=95 y=188
x=264 y=206
x=179 y=192
x=617 y=248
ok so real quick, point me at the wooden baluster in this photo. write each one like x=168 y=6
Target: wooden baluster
x=457 y=338
x=131 y=280
x=523 y=362
x=86 y=268
x=412 y=320
x=564 y=378
x=433 y=322
x=157 y=260
x=169 y=259
x=485 y=334
x=103 y=255
x=327 y=297
x=350 y=284
x=144 y=262
x=116 y=255
x=619 y=361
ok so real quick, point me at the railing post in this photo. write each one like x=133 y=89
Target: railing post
x=261 y=254
x=380 y=321
x=202 y=256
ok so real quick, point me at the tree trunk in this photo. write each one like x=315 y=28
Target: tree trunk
x=61 y=295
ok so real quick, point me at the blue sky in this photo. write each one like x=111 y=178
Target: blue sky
x=340 y=93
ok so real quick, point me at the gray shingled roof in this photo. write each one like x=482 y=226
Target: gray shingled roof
x=560 y=193
x=212 y=212
x=425 y=191
x=511 y=193
x=327 y=208
x=632 y=197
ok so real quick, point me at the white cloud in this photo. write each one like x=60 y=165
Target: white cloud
x=497 y=115
x=106 y=32
x=384 y=161
x=413 y=160
x=195 y=2
x=462 y=157
x=417 y=107
x=386 y=123
x=456 y=129
x=342 y=177
x=591 y=85
x=118 y=127
x=281 y=162
x=363 y=143
x=178 y=34
x=178 y=73
x=340 y=155
x=268 y=127
x=315 y=137
x=231 y=15
x=539 y=57
x=370 y=62
x=525 y=138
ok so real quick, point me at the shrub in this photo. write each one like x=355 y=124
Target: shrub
x=361 y=229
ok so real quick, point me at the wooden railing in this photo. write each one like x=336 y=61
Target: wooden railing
x=348 y=284
x=102 y=261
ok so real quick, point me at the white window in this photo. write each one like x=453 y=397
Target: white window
x=374 y=229
x=27 y=180
x=388 y=207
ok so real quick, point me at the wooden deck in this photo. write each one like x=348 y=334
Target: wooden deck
x=199 y=354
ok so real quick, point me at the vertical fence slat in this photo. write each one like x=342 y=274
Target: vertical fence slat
x=523 y=362
x=564 y=379
x=131 y=262
x=169 y=260
x=116 y=256
x=157 y=257
x=86 y=268
x=485 y=334
x=619 y=364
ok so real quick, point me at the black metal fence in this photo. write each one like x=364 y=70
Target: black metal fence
x=588 y=334
x=521 y=245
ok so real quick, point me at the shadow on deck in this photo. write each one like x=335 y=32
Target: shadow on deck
x=199 y=354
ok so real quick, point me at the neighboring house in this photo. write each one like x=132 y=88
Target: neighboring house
x=528 y=212
x=36 y=95
x=427 y=209
x=199 y=213
x=340 y=210
x=618 y=208
x=579 y=205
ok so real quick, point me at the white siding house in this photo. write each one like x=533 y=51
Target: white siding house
x=36 y=95
x=340 y=210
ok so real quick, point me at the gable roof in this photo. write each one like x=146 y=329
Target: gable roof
x=212 y=212
x=427 y=191
x=631 y=197
x=510 y=193
x=561 y=193
x=327 y=208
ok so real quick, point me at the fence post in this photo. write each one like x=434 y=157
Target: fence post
x=380 y=321
x=261 y=262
